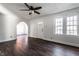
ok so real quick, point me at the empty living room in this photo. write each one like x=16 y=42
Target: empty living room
x=39 y=29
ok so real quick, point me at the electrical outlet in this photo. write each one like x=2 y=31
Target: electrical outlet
x=10 y=36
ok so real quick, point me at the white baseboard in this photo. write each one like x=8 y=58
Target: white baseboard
x=53 y=40
x=63 y=42
x=7 y=40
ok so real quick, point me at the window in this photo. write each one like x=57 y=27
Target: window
x=59 y=26
x=72 y=25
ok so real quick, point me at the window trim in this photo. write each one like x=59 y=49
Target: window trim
x=59 y=24
x=71 y=25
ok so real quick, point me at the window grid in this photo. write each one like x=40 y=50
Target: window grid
x=59 y=26
x=72 y=25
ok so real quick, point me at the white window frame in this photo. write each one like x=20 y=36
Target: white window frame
x=71 y=25
x=59 y=26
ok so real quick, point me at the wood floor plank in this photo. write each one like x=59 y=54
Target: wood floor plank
x=24 y=46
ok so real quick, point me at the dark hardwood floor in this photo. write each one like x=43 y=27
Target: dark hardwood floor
x=24 y=46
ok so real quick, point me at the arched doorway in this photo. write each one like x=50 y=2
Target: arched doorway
x=22 y=36
x=22 y=28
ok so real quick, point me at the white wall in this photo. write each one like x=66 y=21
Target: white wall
x=48 y=31
x=7 y=27
x=8 y=23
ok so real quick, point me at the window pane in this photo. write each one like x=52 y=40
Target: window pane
x=75 y=22
x=56 y=32
x=68 y=32
x=60 y=32
x=75 y=18
x=59 y=27
x=67 y=19
x=59 y=23
x=71 y=27
x=75 y=32
x=71 y=19
x=56 y=24
x=75 y=28
x=70 y=23
x=60 y=19
x=68 y=28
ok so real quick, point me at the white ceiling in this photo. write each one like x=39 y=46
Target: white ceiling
x=47 y=8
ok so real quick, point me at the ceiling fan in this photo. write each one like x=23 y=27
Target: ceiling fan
x=31 y=8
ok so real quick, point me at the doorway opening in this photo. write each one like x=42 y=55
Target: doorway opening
x=22 y=35
x=22 y=28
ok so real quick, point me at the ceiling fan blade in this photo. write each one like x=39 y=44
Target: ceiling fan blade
x=27 y=5
x=24 y=9
x=37 y=8
x=36 y=12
